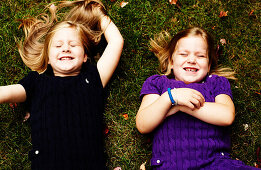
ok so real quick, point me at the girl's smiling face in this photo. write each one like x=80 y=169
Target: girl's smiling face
x=66 y=52
x=190 y=60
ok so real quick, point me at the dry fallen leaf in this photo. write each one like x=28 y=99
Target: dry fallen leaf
x=106 y=130
x=123 y=3
x=251 y=12
x=246 y=126
x=13 y=105
x=222 y=14
x=53 y=8
x=173 y=1
x=223 y=41
x=125 y=116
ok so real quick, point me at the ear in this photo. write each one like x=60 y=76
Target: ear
x=85 y=58
x=209 y=68
x=171 y=60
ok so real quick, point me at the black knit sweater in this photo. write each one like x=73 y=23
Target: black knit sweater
x=66 y=119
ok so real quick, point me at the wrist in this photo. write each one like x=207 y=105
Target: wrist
x=105 y=21
x=173 y=96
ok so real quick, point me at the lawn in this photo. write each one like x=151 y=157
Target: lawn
x=236 y=21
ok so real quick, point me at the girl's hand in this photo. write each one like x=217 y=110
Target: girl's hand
x=188 y=97
x=27 y=116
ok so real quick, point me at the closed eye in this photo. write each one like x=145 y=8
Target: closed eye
x=183 y=54
x=74 y=44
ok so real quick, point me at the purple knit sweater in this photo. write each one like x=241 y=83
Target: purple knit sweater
x=185 y=142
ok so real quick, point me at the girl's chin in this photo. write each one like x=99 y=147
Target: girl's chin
x=192 y=80
x=66 y=71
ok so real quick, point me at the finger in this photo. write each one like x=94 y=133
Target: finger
x=200 y=100
x=199 y=94
x=196 y=102
x=26 y=116
x=190 y=105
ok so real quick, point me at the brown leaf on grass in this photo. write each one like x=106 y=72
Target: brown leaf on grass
x=173 y=2
x=222 y=14
x=223 y=41
x=106 y=131
x=142 y=167
x=112 y=0
x=53 y=6
x=123 y=3
x=251 y=12
x=246 y=127
x=13 y=105
x=258 y=93
x=125 y=116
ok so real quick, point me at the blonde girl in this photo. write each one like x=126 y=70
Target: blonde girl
x=189 y=108
x=64 y=92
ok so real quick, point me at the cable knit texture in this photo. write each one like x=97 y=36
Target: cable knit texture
x=66 y=119
x=185 y=142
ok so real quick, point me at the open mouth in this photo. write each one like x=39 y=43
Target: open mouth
x=191 y=69
x=66 y=58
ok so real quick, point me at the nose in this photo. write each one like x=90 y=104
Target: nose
x=191 y=59
x=66 y=48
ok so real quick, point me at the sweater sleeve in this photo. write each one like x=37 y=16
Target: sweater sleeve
x=221 y=85
x=152 y=85
x=28 y=82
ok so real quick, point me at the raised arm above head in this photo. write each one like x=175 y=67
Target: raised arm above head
x=12 y=94
x=111 y=55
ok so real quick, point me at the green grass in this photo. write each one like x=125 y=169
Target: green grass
x=138 y=22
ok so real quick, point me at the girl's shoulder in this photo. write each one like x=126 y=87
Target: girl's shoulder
x=157 y=78
x=154 y=85
x=156 y=81
x=218 y=85
x=30 y=77
x=215 y=79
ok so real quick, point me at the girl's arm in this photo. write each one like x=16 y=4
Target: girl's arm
x=155 y=108
x=221 y=112
x=111 y=55
x=12 y=94
x=152 y=112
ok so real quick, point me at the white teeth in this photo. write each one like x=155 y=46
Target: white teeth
x=191 y=69
x=66 y=58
